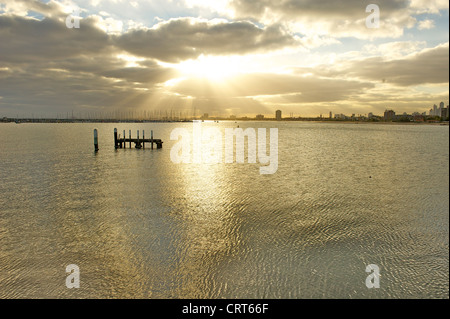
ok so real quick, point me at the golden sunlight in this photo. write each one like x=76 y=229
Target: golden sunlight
x=213 y=68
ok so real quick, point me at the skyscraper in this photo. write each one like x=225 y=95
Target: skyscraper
x=389 y=115
x=441 y=110
x=278 y=115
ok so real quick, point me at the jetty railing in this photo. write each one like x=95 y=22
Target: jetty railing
x=121 y=142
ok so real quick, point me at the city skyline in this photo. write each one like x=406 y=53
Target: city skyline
x=441 y=114
x=224 y=58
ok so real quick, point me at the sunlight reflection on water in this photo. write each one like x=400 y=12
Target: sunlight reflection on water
x=139 y=226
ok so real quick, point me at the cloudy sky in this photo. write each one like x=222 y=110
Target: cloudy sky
x=222 y=57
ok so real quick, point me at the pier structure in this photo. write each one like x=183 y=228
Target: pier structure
x=121 y=142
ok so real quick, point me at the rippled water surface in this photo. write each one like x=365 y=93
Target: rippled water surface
x=139 y=226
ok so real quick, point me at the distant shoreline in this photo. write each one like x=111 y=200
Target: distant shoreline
x=388 y=123
x=54 y=121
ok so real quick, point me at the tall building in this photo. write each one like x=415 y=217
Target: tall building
x=435 y=112
x=278 y=115
x=331 y=115
x=444 y=112
x=389 y=115
x=340 y=116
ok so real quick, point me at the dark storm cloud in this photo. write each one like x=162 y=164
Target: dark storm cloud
x=188 y=38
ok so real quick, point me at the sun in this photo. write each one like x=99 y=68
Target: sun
x=212 y=68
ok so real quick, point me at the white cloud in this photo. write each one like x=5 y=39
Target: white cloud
x=429 y=6
x=109 y=25
x=426 y=24
x=393 y=50
x=337 y=18
x=218 y=6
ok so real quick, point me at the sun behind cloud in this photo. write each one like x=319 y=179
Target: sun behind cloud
x=213 y=68
x=303 y=57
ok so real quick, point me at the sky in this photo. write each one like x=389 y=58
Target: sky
x=222 y=57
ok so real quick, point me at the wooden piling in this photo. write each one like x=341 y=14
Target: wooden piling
x=96 y=140
x=115 y=139
x=138 y=141
x=151 y=133
x=130 y=138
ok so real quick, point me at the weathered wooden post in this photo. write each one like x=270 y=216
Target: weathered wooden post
x=96 y=140
x=115 y=138
x=138 y=141
x=151 y=132
x=138 y=145
x=130 y=138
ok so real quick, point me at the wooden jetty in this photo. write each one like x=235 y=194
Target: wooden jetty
x=121 y=142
